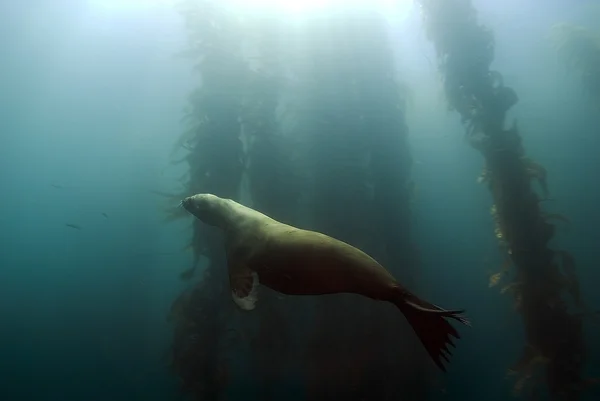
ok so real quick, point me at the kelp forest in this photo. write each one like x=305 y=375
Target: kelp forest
x=321 y=141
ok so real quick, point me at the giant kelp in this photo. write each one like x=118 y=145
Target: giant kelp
x=216 y=162
x=355 y=144
x=273 y=191
x=384 y=100
x=465 y=50
x=361 y=164
x=233 y=133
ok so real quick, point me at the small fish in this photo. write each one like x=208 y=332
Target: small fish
x=75 y=226
x=105 y=215
x=60 y=186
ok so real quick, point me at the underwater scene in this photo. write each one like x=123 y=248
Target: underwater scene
x=239 y=200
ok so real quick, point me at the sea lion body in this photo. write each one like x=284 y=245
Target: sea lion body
x=300 y=262
x=293 y=261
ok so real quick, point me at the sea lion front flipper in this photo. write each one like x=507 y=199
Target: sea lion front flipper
x=244 y=286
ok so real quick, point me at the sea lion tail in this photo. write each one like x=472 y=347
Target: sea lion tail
x=430 y=324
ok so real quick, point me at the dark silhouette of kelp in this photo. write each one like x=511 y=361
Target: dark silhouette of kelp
x=273 y=191
x=553 y=332
x=202 y=315
x=360 y=165
x=356 y=167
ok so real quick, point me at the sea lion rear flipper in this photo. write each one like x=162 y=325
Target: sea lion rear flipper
x=244 y=286
x=430 y=324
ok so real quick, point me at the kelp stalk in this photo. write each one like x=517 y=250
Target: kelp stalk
x=273 y=192
x=361 y=165
x=465 y=50
x=216 y=162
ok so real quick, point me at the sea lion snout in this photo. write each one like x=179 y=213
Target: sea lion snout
x=187 y=203
x=205 y=207
x=195 y=204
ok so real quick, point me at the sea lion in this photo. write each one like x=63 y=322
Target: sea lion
x=300 y=262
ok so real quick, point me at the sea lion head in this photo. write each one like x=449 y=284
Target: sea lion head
x=206 y=207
